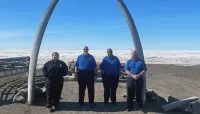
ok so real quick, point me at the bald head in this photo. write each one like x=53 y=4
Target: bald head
x=85 y=50
x=109 y=52
x=133 y=54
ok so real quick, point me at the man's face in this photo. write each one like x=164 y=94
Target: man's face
x=55 y=57
x=133 y=54
x=85 y=50
x=109 y=52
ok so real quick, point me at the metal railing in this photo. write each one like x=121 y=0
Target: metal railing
x=14 y=66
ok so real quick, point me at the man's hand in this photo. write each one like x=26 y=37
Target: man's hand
x=136 y=77
x=133 y=76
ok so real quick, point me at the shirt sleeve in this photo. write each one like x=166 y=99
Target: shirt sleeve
x=65 y=69
x=102 y=64
x=44 y=70
x=94 y=62
x=126 y=66
x=119 y=65
x=77 y=62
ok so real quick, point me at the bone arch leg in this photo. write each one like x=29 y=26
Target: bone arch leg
x=136 y=39
x=40 y=34
x=35 y=50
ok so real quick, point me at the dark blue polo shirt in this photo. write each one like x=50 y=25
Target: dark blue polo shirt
x=135 y=67
x=111 y=66
x=86 y=62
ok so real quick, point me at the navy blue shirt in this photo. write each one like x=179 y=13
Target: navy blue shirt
x=86 y=62
x=111 y=66
x=135 y=66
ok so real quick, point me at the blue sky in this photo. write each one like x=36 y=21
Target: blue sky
x=162 y=24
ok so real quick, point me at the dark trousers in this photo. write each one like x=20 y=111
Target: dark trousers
x=110 y=84
x=132 y=87
x=53 y=91
x=86 y=78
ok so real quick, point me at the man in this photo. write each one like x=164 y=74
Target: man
x=54 y=70
x=135 y=69
x=110 y=68
x=85 y=69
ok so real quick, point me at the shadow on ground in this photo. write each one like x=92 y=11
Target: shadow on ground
x=151 y=106
x=155 y=106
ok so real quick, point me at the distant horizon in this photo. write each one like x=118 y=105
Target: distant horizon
x=151 y=56
x=96 y=49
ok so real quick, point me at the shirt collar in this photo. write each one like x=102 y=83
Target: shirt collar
x=54 y=61
x=110 y=57
x=86 y=56
x=134 y=59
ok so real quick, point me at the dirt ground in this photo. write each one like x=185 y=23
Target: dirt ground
x=177 y=81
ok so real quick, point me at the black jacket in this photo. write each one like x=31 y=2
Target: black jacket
x=55 y=69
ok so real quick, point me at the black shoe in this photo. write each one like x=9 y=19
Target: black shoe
x=57 y=106
x=50 y=109
x=92 y=105
x=130 y=108
x=142 y=110
x=136 y=107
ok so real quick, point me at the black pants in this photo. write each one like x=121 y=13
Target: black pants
x=53 y=91
x=110 y=84
x=86 y=78
x=132 y=87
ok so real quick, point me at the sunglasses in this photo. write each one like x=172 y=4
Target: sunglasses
x=85 y=49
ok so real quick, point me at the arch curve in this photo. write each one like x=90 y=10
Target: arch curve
x=40 y=34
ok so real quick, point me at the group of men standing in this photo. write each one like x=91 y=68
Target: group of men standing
x=85 y=68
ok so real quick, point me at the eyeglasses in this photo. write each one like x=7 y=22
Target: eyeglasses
x=85 y=49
